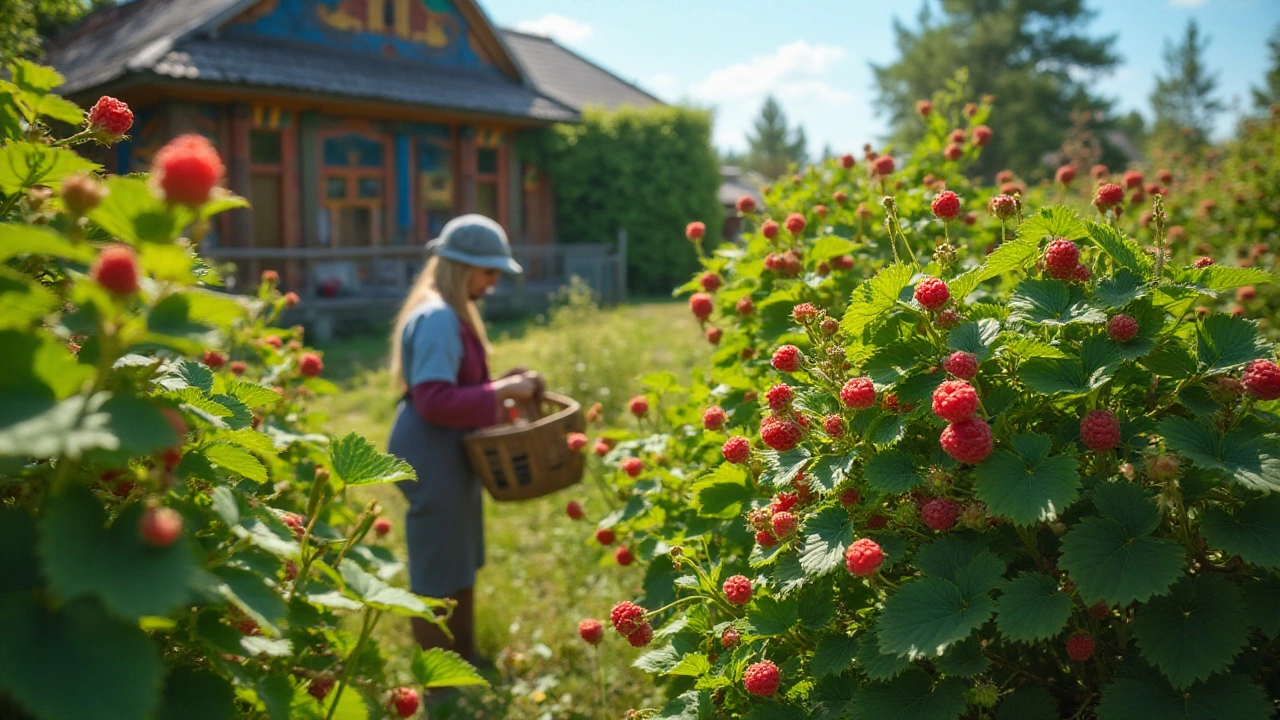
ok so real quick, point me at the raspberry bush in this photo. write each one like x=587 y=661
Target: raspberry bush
x=175 y=534
x=1003 y=507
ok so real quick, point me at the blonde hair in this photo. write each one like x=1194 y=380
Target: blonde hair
x=447 y=280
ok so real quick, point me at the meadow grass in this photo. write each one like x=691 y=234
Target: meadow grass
x=544 y=572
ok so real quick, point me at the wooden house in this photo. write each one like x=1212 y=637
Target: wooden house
x=356 y=128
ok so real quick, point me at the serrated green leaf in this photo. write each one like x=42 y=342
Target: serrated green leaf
x=872 y=300
x=251 y=394
x=251 y=440
x=975 y=338
x=778 y=469
x=37 y=427
x=829 y=246
x=1250 y=460
x=262 y=535
x=657 y=661
x=24 y=300
x=1170 y=359
x=1124 y=252
x=1109 y=563
x=1127 y=504
x=769 y=616
x=358 y=462
x=131 y=212
x=834 y=654
x=1225 y=697
x=1010 y=258
x=1252 y=531
x=964 y=659
x=249 y=591
x=1219 y=278
x=826 y=535
x=692 y=665
x=438 y=667
x=1032 y=608
x=18 y=240
x=1028 y=703
x=1195 y=630
x=379 y=595
x=236 y=460
x=188 y=374
x=913 y=696
x=26 y=164
x=1029 y=489
x=829 y=472
x=886 y=429
x=691 y=705
x=1051 y=302
x=1225 y=341
x=1120 y=289
x=875 y=664
x=928 y=614
x=1261 y=599
x=192 y=694
x=894 y=361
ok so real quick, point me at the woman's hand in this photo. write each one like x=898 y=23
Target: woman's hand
x=516 y=387
x=515 y=371
x=539 y=382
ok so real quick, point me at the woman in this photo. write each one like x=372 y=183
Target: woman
x=438 y=361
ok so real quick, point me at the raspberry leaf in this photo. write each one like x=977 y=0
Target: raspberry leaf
x=40 y=240
x=1224 y=696
x=1217 y=278
x=1252 y=532
x=1028 y=703
x=191 y=694
x=829 y=247
x=236 y=460
x=927 y=615
x=1108 y=562
x=1032 y=608
x=826 y=535
x=1058 y=221
x=964 y=659
x=1248 y=459
x=885 y=430
x=357 y=462
x=691 y=665
x=37 y=427
x=781 y=468
x=975 y=338
x=769 y=616
x=1124 y=252
x=1261 y=598
x=913 y=695
x=1224 y=341
x=872 y=301
x=24 y=164
x=896 y=360
x=375 y=593
x=1128 y=505
x=1120 y=289
x=829 y=471
x=722 y=493
x=1051 y=302
x=438 y=667
x=248 y=591
x=1099 y=360
x=876 y=664
x=1028 y=487
x=1193 y=631
x=691 y=705
x=834 y=654
x=1011 y=257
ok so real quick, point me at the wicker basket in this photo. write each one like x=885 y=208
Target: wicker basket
x=529 y=459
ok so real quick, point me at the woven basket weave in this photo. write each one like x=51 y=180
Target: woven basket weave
x=529 y=459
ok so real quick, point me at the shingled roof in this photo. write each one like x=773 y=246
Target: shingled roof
x=570 y=78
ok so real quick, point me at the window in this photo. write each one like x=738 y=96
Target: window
x=489 y=184
x=435 y=186
x=354 y=184
x=266 y=196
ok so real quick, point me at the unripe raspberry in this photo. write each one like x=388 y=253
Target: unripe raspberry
x=863 y=558
x=955 y=400
x=116 y=269
x=1203 y=261
x=296 y=522
x=213 y=359
x=820 y=210
x=1080 y=647
x=1003 y=206
x=1262 y=380
x=981 y=135
x=840 y=197
x=784 y=524
x=605 y=536
x=729 y=638
x=1100 y=430
x=940 y=514
x=576 y=441
x=695 y=230
x=1122 y=328
x=968 y=441
x=737 y=590
x=769 y=228
x=962 y=365
x=765 y=538
x=110 y=116
x=700 y=305
x=160 y=526
x=1107 y=197
x=270 y=277
x=746 y=204
x=626 y=617
x=405 y=700
x=761 y=678
x=787 y=358
x=320 y=687
x=602 y=447
x=946 y=205
x=591 y=631
x=187 y=169
x=805 y=313
x=736 y=449
x=952 y=152
x=82 y=193
x=639 y=405
x=1162 y=468
x=932 y=293
x=779 y=433
x=830 y=327
x=632 y=466
x=744 y=306
x=833 y=426
x=291 y=299
x=1066 y=174
x=713 y=418
x=382 y=526
x=1061 y=256
x=574 y=510
x=622 y=555
x=858 y=393
x=310 y=364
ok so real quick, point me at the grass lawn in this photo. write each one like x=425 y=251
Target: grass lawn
x=544 y=571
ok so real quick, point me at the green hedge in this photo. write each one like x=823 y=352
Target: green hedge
x=649 y=171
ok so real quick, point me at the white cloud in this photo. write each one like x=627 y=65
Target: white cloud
x=663 y=85
x=1187 y=3
x=792 y=70
x=562 y=29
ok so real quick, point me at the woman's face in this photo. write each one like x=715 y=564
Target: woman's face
x=481 y=281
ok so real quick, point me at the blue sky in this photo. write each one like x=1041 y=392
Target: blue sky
x=814 y=54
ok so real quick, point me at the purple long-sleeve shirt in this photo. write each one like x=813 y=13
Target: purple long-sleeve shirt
x=446 y=370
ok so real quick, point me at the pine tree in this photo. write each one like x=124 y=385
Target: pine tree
x=1183 y=100
x=774 y=146
x=1269 y=94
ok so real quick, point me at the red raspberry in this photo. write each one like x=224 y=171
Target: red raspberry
x=1100 y=430
x=1099 y=171
x=940 y=514
x=1061 y=257
x=761 y=678
x=968 y=441
x=110 y=116
x=1164 y=176
x=1262 y=380
x=764 y=538
x=729 y=638
x=746 y=204
x=1003 y=206
x=574 y=510
x=737 y=590
x=406 y=701
x=858 y=393
x=238 y=367
x=780 y=434
x=833 y=426
x=639 y=405
x=713 y=418
x=957 y=136
x=274 y=341
x=695 y=230
x=820 y=210
x=605 y=536
x=642 y=636
x=632 y=466
x=1122 y=328
x=773 y=262
x=1080 y=647
x=847 y=161
x=213 y=359
x=382 y=526
x=576 y=441
x=700 y=304
x=962 y=364
x=187 y=169
x=850 y=496
x=745 y=306
x=310 y=364
x=1108 y=196
x=713 y=335
x=1203 y=261
x=952 y=152
x=932 y=293
x=160 y=526
x=622 y=555
x=842 y=262
x=769 y=228
x=924 y=107
x=805 y=313
x=981 y=135
x=709 y=281
x=116 y=269
x=736 y=449
x=795 y=223
x=291 y=299
x=1066 y=174
x=840 y=196
x=626 y=617
x=270 y=277
x=787 y=358
x=296 y=522
x=783 y=502
x=877 y=522
x=863 y=557
x=591 y=631
x=779 y=396
x=1099 y=610
x=784 y=524
x=320 y=687
x=884 y=165
x=946 y=205
x=602 y=447
x=955 y=400
x=1246 y=293
x=948 y=319
x=1081 y=273
x=1133 y=179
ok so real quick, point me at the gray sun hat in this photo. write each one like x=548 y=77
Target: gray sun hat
x=475 y=240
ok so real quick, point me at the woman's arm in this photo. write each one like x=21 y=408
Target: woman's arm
x=469 y=406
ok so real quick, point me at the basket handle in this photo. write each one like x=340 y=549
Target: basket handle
x=531 y=410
